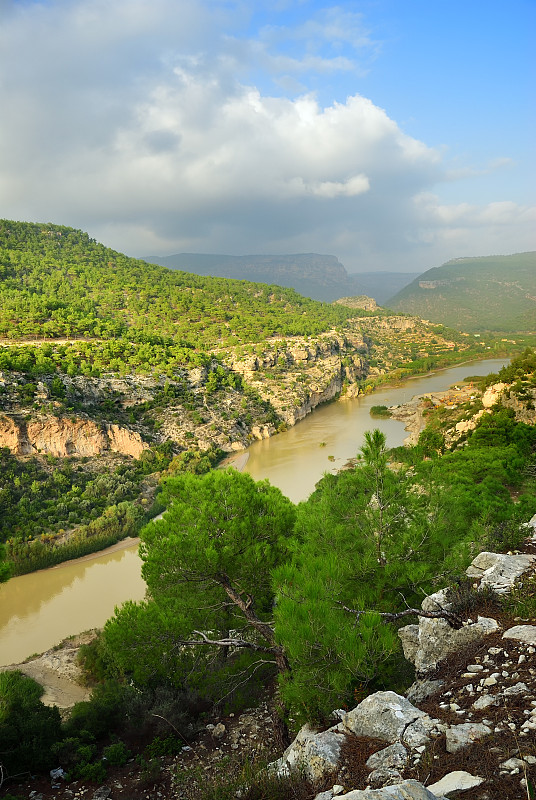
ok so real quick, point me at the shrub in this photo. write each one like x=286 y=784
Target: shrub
x=28 y=728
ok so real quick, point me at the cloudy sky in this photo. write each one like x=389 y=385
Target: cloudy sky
x=394 y=134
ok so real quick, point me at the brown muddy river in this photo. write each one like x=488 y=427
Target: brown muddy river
x=39 y=610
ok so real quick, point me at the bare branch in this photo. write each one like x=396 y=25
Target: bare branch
x=228 y=641
x=454 y=620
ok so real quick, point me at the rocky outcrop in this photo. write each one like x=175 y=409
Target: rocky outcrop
x=62 y=436
x=500 y=681
x=431 y=640
x=499 y=571
x=492 y=394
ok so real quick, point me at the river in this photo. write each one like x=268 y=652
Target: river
x=39 y=610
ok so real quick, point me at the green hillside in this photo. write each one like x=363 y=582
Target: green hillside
x=495 y=293
x=58 y=282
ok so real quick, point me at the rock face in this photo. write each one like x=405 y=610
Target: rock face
x=296 y=375
x=62 y=436
x=492 y=394
x=431 y=640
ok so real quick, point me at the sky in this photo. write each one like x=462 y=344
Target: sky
x=393 y=134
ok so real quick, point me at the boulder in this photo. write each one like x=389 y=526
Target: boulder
x=436 y=638
x=407 y=790
x=315 y=754
x=522 y=633
x=499 y=571
x=459 y=736
x=389 y=716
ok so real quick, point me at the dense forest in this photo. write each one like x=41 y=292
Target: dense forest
x=58 y=282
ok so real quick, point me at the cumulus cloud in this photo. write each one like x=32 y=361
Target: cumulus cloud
x=133 y=120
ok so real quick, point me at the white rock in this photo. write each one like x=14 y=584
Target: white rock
x=459 y=736
x=512 y=763
x=522 y=633
x=383 y=715
x=435 y=637
x=498 y=570
x=518 y=688
x=407 y=790
x=485 y=701
x=314 y=753
x=456 y=781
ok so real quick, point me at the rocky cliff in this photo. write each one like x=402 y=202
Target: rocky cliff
x=62 y=436
x=296 y=375
x=202 y=407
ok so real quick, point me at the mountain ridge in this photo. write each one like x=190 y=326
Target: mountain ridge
x=496 y=293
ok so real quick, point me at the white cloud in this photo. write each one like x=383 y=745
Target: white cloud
x=133 y=120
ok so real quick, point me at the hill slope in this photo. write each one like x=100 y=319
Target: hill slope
x=56 y=281
x=496 y=293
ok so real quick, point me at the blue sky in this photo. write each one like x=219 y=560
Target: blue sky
x=394 y=134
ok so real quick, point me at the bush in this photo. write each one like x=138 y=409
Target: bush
x=28 y=728
x=116 y=754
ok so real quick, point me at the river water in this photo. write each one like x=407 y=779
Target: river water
x=39 y=610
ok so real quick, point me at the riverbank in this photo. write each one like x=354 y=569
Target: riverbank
x=57 y=671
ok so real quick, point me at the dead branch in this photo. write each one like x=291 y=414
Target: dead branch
x=454 y=620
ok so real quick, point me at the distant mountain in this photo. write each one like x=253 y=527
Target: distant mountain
x=321 y=277
x=496 y=293
x=382 y=285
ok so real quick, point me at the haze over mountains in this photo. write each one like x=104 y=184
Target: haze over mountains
x=495 y=293
x=321 y=277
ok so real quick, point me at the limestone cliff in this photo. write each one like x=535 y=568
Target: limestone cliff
x=62 y=436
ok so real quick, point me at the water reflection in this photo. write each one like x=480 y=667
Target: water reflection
x=40 y=609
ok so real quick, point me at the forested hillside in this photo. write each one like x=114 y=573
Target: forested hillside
x=494 y=293
x=58 y=282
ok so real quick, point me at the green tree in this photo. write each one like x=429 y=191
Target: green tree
x=28 y=728
x=369 y=548
x=208 y=565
